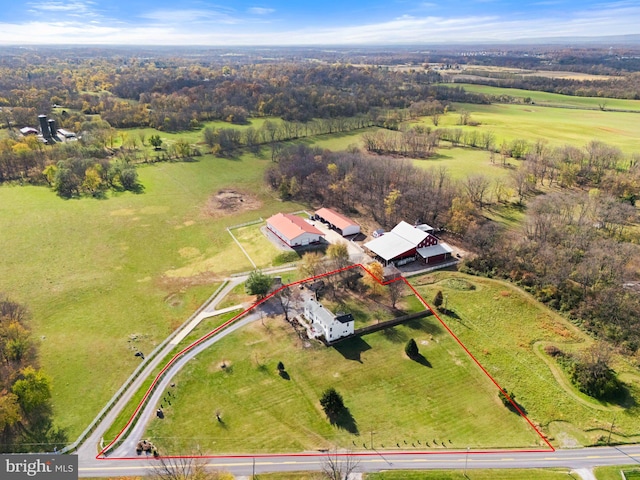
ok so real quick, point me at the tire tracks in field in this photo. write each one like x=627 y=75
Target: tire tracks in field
x=560 y=377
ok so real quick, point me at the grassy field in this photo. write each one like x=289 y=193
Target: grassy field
x=408 y=404
x=556 y=126
x=261 y=250
x=93 y=273
x=553 y=99
x=461 y=162
x=506 y=329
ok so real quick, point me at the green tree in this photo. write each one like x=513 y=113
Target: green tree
x=411 y=349
x=33 y=389
x=331 y=402
x=258 y=284
x=155 y=141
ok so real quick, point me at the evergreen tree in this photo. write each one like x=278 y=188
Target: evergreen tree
x=411 y=349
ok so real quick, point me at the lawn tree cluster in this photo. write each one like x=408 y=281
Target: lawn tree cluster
x=25 y=390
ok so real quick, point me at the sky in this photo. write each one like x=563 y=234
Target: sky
x=329 y=22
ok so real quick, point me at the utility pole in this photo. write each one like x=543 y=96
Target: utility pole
x=610 y=430
x=466 y=460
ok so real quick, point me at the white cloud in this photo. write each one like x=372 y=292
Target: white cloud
x=225 y=27
x=177 y=17
x=61 y=6
x=260 y=10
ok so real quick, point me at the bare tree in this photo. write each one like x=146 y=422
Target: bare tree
x=339 y=466
x=477 y=188
x=396 y=291
x=184 y=468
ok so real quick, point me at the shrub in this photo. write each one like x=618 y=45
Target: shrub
x=411 y=349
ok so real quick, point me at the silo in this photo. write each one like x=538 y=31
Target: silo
x=52 y=127
x=44 y=128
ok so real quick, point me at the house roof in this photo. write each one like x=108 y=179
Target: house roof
x=335 y=218
x=28 y=130
x=433 y=250
x=321 y=313
x=402 y=238
x=292 y=226
x=344 y=318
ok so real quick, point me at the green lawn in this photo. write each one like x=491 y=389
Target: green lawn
x=514 y=474
x=462 y=162
x=557 y=126
x=506 y=329
x=93 y=272
x=261 y=250
x=407 y=404
x=555 y=99
x=613 y=473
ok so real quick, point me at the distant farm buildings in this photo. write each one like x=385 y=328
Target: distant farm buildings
x=49 y=133
x=293 y=230
x=336 y=221
x=406 y=243
x=325 y=323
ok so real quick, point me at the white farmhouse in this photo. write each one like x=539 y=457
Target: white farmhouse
x=333 y=327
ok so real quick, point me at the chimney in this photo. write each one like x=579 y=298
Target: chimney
x=44 y=128
x=52 y=128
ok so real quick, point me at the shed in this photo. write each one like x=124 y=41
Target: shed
x=293 y=230
x=344 y=225
x=435 y=253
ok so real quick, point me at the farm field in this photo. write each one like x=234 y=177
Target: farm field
x=408 y=404
x=556 y=126
x=506 y=330
x=104 y=278
x=554 y=99
x=462 y=162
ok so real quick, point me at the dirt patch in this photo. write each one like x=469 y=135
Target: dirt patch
x=228 y=201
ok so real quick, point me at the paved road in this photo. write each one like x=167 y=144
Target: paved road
x=585 y=458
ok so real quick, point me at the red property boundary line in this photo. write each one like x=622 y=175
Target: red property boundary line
x=101 y=454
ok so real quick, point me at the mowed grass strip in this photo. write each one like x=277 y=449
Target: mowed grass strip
x=473 y=474
x=502 y=326
x=408 y=405
x=96 y=273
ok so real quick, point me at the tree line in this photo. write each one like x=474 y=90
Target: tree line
x=25 y=390
x=384 y=188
